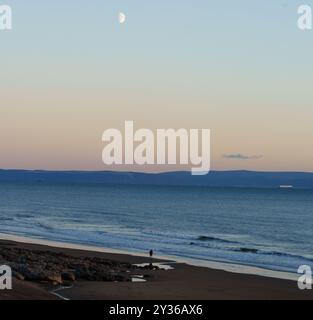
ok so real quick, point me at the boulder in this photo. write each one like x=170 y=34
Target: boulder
x=18 y=276
x=55 y=278
x=68 y=276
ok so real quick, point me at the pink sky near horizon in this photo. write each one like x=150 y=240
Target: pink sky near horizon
x=58 y=134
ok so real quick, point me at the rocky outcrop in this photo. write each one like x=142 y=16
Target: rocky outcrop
x=57 y=268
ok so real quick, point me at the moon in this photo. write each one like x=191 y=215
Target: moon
x=121 y=18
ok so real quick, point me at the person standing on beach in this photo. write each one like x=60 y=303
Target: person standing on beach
x=151 y=255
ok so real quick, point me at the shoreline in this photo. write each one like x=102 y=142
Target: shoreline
x=210 y=264
x=181 y=282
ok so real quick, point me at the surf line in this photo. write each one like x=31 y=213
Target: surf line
x=54 y=292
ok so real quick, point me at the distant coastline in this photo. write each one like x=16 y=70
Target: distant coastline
x=233 y=179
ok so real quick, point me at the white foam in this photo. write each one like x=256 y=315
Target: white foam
x=161 y=265
x=138 y=278
x=54 y=292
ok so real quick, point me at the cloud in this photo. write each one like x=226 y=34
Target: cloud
x=240 y=156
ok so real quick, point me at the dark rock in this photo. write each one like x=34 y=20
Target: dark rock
x=52 y=277
x=17 y=275
x=68 y=276
x=57 y=267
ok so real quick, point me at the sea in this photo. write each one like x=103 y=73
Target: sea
x=266 y=228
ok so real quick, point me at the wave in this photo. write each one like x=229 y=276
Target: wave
x=232 y=246
x=6 y=219
x=271 y=253
x=210 y=238
x=22 y=215
x=248 y=250
x=45 y=226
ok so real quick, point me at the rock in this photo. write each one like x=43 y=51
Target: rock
x=18 y=276
x=151 y=266
x=68 y=276
x=27 y=272
x=121 y=277
x=57 y=268
x=52 y=277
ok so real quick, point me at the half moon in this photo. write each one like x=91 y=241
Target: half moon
x=121 y=18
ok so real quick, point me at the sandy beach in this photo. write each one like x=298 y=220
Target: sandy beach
x=182 y=281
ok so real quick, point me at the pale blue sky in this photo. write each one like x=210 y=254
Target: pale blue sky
x=202 y=37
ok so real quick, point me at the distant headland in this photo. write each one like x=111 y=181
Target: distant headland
x=239 y=178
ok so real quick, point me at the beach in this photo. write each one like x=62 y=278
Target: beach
x=170 y=280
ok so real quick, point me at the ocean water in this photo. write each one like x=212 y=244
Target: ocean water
x=268 y=228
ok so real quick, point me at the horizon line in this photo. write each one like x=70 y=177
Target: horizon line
x=152 y=173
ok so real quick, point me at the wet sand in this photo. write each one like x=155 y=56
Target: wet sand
x=182 y=282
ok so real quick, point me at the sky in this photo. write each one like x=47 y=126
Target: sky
x=69 y=70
